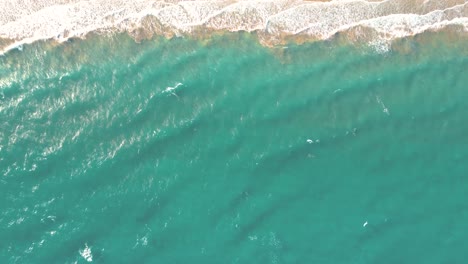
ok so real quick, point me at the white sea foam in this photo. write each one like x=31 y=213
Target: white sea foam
x=172 y=88
x=28 y=21
x=86 y=253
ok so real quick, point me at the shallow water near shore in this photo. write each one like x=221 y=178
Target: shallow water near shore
x=225 y=151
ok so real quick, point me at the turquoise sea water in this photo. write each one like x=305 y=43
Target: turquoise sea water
x=224 y=151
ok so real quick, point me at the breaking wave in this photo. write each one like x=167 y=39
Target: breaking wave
x=374 y=21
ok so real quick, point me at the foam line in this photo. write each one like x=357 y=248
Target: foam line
x=27 y=21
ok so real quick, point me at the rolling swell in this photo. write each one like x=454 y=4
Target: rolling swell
x=177 y=150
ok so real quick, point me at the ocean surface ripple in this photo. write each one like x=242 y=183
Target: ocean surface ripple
x=222 y=150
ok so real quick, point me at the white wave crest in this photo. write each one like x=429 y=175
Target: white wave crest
x=27 y=21
x=86 y=253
